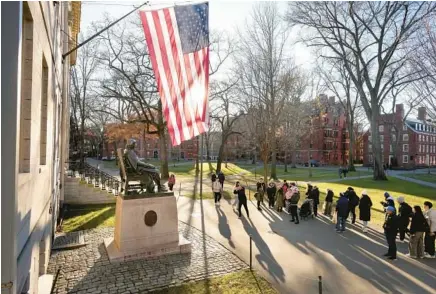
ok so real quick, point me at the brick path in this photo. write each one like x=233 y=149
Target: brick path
x=88 y=270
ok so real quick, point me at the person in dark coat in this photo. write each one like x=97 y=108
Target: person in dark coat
x=221 y=178
x=329 y=202
x=213 y=178
x=294 y=204
x=309 y=189
x=242 y=198
x=365 y=204
x=341 y=212
x=271 y=192
x=390 y=227
x=418 y=226
x=404 y=213
x=353 y=201
x=314 y=195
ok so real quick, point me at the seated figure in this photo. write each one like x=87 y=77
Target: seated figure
x=143 y=168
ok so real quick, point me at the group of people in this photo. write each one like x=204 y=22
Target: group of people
x=342 y=171
x=419 y=225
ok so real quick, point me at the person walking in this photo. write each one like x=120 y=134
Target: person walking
x=242 y=198
x=328 y=202
x=285 y=189
x=260 y=188
x=294 y=204
x=279 y=199
x=430 y=215
x=341 y=212
x=217 y=190
x=213 y=177
x=404 y=214
x=390 y=228
x=345 y=171
x=418 y=226
x=221 y=178
x=171 y=181
x=365 y=204
x=340 y=172
x=353 y=201
x=271 y=192
x=314 y=195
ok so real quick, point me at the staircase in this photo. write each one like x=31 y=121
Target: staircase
x=89 y=185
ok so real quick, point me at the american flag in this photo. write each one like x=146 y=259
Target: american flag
x=178 y=42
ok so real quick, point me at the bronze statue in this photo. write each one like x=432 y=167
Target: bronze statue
x=150 y=173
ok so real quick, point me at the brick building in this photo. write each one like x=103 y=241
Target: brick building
x=406 y=143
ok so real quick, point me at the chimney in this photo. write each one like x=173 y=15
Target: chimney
x=399 y=111
x=332 y=100
x=422 y=113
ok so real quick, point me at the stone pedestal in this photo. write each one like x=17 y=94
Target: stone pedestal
x=145 y=225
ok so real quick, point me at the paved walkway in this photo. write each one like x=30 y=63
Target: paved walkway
x=88 y=270
x=293 y=256
x=423 y=183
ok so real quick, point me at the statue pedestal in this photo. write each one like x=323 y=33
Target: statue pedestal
x=146 y=225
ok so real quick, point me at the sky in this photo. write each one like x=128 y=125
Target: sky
x=223 y=16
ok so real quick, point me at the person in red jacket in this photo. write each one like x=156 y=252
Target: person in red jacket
x=171 y=181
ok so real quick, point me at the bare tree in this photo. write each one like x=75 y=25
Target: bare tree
x=339 y=82
x=266 y=78
x=374 y=40
x=82 y=81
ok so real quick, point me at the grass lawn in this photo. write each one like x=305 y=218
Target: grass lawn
x=81 y=217
x=243 y=282
x=414 y=194
x=431 y=178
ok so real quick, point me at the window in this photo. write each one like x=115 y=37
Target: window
x=382 y=138
x=406 y=137
x=405 y=158
x=26 y=90
x=394 y=138
x=405 y=147
x=419 y=138
x=155 y=154
x=404 y=127
x=369 y=138
x=426 y=148
x=381 y=128
x=370 y=146
x=381 y=146
x=390 y=148
x=44 y=94
x=420 y=148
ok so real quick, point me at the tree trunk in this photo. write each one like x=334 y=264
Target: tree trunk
x=351 y=145
x=207 y=148
x=163 y=153
x=82 y=142
x=220 y=157
x=273 y=159
x=294 y=159
x=310 y=165
x=197 y=161
x=379 y=173
x=286 y=163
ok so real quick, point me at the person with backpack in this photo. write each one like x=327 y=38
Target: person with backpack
x=260 y=188
x=217 y=190
x=271 y=192
x=314 y=195
x=242 y=198
x=341 y=213
x=390 y=228
x=389 y=201
x=280 y=198
x=353 y=202
x=404 y=214
x=365 y=205
x=418 y=226
x=328 y=202
x=293 y=203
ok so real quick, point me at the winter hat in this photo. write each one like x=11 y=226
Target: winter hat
x=350 y=188
x=387 y=195
x=400 y=199
x=390 y=208
x=364 y=193
x=132 y=141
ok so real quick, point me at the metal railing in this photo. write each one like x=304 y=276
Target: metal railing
x=94 y=176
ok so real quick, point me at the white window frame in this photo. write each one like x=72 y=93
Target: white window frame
x=405 y=147
x=405 y=127
x=405 y=158
x=382 y=138
x=381 y=128
x=406 y=137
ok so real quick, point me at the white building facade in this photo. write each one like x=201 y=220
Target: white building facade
x=35 y=134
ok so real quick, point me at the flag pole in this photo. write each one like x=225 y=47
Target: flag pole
x=102 y=30
x=201 y=166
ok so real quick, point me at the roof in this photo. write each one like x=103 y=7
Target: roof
x=420 y=126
